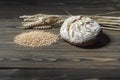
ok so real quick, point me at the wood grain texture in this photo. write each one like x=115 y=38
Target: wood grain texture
x=104 y=55
x=58 y=74
x=60 y=61
x=58 y=55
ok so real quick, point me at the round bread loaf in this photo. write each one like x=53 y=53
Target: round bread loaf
x=80 y=31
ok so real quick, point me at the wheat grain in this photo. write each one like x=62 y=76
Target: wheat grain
x=36 y=38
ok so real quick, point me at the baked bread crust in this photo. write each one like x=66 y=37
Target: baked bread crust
x=80 y=31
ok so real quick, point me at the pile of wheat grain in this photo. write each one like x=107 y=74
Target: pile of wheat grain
x=36 y=38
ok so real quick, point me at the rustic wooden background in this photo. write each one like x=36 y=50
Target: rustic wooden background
x=61 y=61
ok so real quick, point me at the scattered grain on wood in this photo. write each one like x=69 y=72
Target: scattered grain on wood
x=36 y=38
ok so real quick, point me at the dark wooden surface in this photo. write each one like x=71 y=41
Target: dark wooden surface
x=60 y=60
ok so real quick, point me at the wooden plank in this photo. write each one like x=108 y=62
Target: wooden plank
x=22 y=9
x=60 y=54
x=58 y=74
x=61 y=61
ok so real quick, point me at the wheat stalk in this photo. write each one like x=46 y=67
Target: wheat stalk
x=44 y=20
